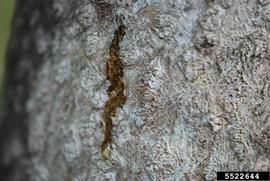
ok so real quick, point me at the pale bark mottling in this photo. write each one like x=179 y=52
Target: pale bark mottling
x=196 y=75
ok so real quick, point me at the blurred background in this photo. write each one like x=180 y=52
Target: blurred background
x=6 y=10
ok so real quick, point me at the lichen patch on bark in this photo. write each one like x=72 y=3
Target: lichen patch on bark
x=114 y=72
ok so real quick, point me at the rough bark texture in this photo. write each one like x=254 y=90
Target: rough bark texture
x=190 y=79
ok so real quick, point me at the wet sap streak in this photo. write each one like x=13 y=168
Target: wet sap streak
x=114 y=72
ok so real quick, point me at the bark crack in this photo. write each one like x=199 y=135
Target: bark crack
x=114 y=72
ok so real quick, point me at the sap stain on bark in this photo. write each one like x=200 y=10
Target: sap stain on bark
x=114 y=71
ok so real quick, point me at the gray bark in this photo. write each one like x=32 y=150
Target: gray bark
x=195 y=98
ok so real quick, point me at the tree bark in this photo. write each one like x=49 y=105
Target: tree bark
x=136 y=90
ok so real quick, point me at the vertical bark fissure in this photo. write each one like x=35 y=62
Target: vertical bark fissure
x=114 y=72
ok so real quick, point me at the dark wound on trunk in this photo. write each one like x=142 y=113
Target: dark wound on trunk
x=114 y=72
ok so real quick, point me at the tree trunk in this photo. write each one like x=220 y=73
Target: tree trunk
x=136 y=90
